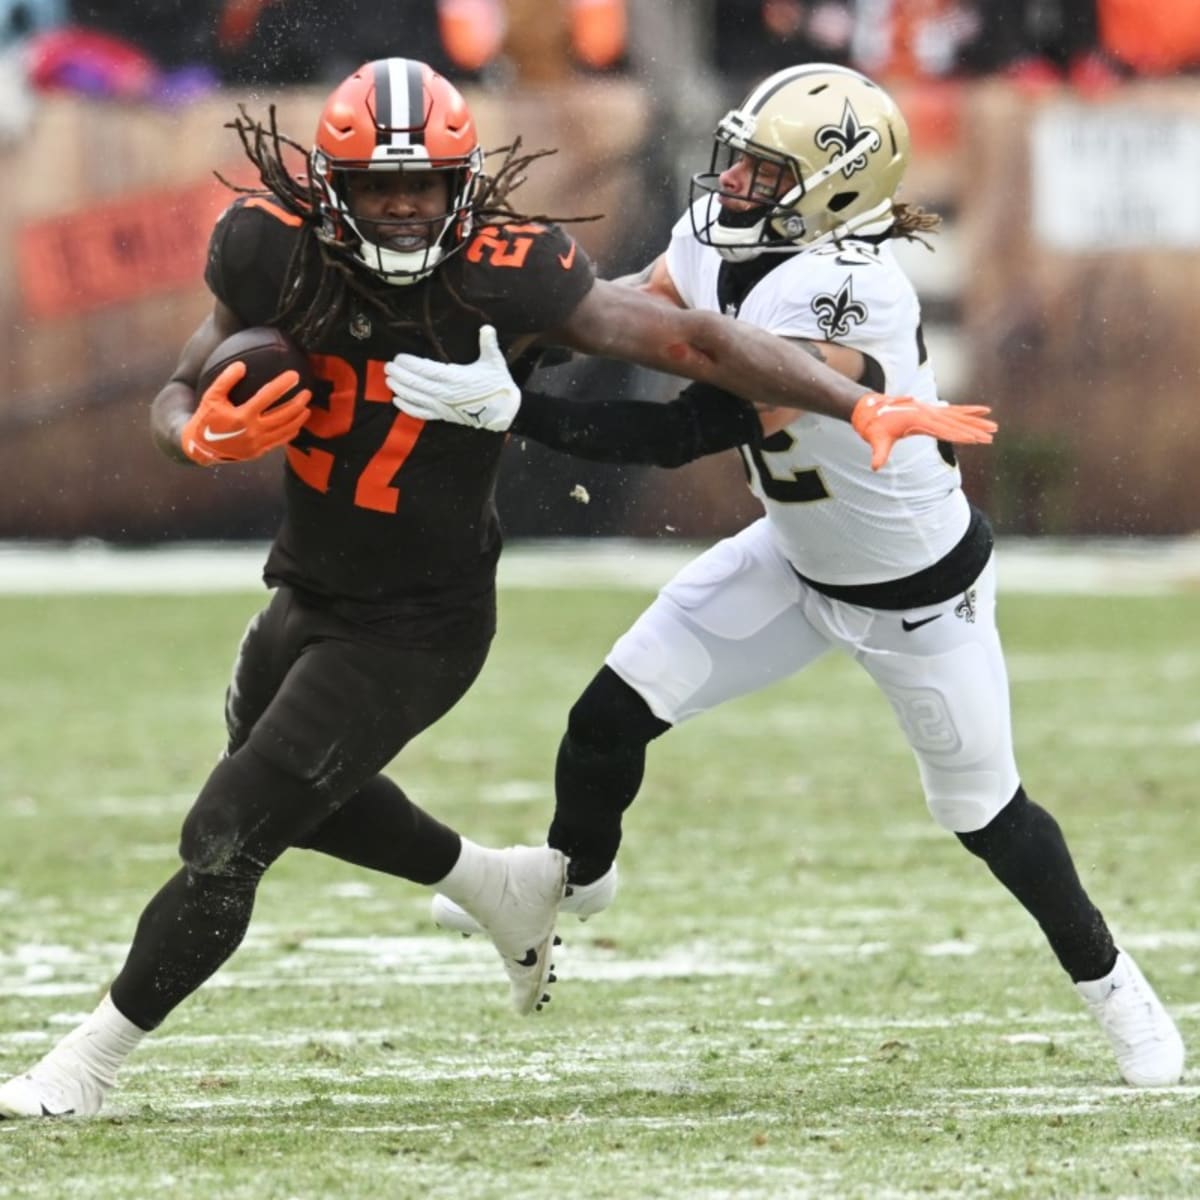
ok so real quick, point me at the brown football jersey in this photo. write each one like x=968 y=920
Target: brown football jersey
x=389 y=519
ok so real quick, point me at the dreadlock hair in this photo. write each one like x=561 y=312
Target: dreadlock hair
x=308 y=316
x=912 y=221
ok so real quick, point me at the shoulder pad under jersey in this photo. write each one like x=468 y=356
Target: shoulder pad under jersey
x=248 y=256
x=527 y=278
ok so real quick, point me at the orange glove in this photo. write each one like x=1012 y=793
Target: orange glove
x=221 y=431
x=882 y=420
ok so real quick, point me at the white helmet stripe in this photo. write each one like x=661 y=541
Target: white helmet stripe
x=400 y=97
x=754 y=102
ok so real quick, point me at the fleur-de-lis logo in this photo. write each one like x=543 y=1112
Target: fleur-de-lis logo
x=836 y=313
x=965 y=608
x=851 y=134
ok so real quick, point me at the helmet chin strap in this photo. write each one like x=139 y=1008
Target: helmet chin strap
x=742 y=243
x=399 y=267
x=737 y=240
x=874 y=221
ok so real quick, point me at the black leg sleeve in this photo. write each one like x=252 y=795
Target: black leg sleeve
x=601 y=761
x=1025 y=849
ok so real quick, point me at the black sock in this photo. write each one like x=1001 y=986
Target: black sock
x=1025 y=849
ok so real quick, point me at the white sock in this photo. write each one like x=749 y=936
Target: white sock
x=103 y=1041
x=476 y=874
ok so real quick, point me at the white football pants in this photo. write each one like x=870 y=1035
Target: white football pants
x=738 y=618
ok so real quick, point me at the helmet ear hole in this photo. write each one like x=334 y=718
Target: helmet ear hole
x=842 y=200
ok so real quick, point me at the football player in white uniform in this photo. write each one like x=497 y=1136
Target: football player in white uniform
x=789 y=230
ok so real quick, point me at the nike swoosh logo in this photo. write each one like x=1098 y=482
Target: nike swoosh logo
x=66 y=1112
x=209 y=436
x=565 y=260
x=475 y=413
x=909 y=626
x=530 y=959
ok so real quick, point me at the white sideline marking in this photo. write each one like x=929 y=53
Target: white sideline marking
x=1126 y=567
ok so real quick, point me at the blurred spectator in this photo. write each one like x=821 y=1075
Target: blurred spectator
x=21 y=19
x=107 y=48
x=173 y=33
x=308 y=41
x=1152 y=39
x=1036 y=43
x=915 y=39
x=537 y=41
x=20 y=22
x=754 y=38
x=160 y=54
x=1043 y=43
x=293 y=42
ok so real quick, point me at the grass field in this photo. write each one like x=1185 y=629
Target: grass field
x=805 y=989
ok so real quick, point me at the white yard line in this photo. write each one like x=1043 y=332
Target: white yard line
x=1046 y=565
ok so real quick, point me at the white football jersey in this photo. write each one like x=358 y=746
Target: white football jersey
x=836 y=520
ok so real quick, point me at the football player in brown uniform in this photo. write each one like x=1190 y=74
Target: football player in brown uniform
x=382 y=574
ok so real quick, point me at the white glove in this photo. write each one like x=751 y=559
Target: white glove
x=479 y=394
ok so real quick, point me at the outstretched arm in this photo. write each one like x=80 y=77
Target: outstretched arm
x=704 y=418
x=771 y=372
x=628 y=323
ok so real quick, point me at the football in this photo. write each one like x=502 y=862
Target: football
x=266 y=352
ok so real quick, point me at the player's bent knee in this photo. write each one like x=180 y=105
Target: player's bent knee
x=662 y=660
x=610 y=712
x=238 y=824
x=210 y=842
x=969 y=802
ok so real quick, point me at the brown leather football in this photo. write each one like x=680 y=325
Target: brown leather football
x=266 y=352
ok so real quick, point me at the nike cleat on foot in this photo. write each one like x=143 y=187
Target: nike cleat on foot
x=58 y=1086
x=580 y=900
x=1145 y=1040
x=520 y=919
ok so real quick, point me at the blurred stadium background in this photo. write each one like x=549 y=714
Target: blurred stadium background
x=1060 y=139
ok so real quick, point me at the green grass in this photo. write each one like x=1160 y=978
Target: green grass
x=806 y=989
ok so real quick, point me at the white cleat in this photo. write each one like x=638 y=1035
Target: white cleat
x=581 y=900
x=1148 y=1047
x=61 y=1085
x=520 y=920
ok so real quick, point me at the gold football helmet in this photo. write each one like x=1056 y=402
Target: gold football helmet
x=822 y=149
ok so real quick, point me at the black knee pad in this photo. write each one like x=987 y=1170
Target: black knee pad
x=610 y=712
